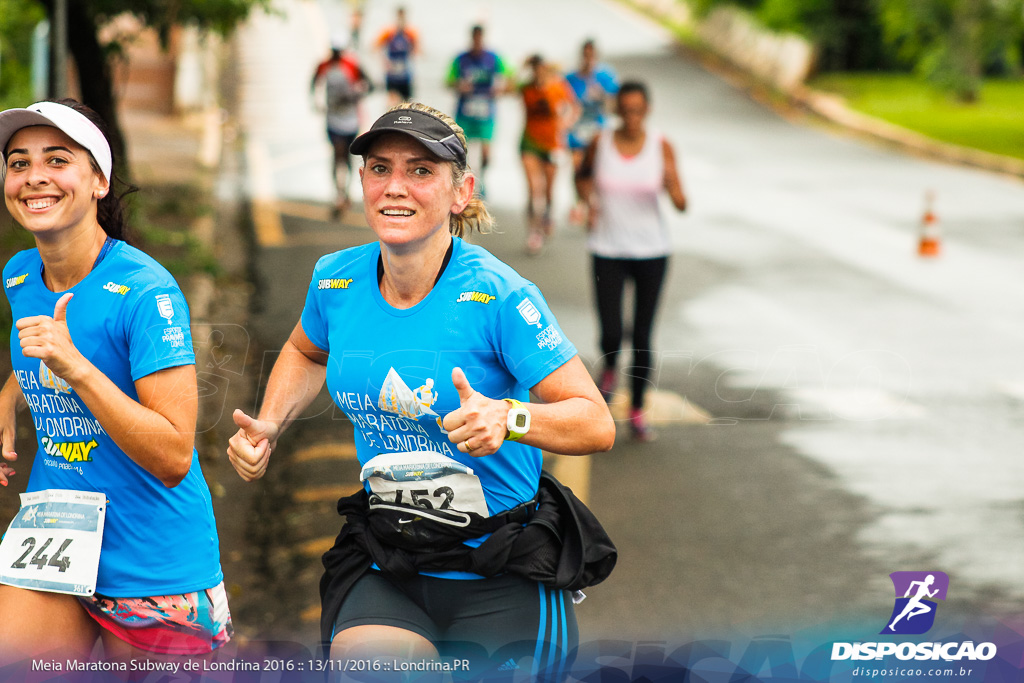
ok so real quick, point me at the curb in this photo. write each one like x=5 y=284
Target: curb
x=827 y=106
x=833 y=108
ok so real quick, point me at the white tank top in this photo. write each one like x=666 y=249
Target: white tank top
x=629 y=221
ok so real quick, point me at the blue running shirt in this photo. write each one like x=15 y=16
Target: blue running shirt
x=129 y=318
x=399 y=47
x=481 y=71
x=481 y=316
x=592 y=91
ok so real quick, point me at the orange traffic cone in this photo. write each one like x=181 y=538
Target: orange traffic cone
x=931 y=239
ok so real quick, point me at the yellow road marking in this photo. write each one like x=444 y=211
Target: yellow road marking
x=661 y=408
x=310 y=614
x=315 y=212
x=573 y=471
x=265 y=214
x=319 y=494
x=325 y=451
x=317 y=546
x=267 y=220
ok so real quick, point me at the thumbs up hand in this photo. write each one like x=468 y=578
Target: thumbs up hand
x=249 y=449
x=49 y=340
x=7 y=449
x=478 y=426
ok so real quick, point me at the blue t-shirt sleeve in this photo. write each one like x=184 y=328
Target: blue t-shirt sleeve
x=608 y=81
x=159 y=332
x=578 y=86
x=531 y=343
x=312 y=319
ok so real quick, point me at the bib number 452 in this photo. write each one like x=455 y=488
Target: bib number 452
x=424 y=498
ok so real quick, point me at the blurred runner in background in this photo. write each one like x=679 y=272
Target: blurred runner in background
x=622 y=175
x=356 y=22
x=551 y=109
x=595 y=86
x=478 y=76
x=344 y=84
x=399 y=44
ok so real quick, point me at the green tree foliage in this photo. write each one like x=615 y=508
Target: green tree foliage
x=18 y=18
x=93 y=59
x=846 y=32
x=953 y=43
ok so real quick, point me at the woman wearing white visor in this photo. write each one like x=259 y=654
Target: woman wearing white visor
x=116 y=537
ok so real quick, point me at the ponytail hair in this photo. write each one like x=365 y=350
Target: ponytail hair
x=111 y=212
x=475 y=217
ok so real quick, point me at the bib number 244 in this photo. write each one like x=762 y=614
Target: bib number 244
x=53 y=544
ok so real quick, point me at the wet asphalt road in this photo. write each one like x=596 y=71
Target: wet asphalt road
x=851 y=409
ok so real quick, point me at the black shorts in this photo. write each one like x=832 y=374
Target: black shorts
x=500 y=625
x=401 y=86
x=343 y=139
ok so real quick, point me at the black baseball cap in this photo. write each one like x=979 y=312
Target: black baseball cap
x=427 y=129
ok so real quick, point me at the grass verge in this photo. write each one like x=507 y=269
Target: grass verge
x=993 y=124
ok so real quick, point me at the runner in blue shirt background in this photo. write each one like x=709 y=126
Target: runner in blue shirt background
x=102 y=356
x=595 y=85
x=432 y=347
x=479 y=76
x=399 y=43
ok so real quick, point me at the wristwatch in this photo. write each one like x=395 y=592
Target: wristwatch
x=518 y=420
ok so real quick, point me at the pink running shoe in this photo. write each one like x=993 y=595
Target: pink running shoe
x=578 y=215
x=609 y=378
x=641 y=430
x=534 y=243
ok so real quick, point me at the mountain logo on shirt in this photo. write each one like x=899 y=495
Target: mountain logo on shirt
x=164 y=307
x=396 y=397
x=52 y=381
x=479 y=297
x=15 y=281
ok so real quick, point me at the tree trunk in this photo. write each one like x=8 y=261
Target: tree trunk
x=966 y=47
x=95 y=79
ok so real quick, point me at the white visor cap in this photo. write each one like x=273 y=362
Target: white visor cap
x=64 y=118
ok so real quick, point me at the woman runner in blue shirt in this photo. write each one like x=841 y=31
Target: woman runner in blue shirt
x=102 y=355
x=432 y=347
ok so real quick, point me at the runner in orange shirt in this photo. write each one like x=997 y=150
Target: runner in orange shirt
x=551 y=109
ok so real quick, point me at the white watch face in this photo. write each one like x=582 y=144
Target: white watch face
x=518 y=421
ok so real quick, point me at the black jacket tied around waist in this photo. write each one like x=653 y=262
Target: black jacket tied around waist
x=554 y=540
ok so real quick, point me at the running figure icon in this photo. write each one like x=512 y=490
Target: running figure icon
x=915 y=606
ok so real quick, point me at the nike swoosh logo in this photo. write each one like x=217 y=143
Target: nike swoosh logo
x=405 y=521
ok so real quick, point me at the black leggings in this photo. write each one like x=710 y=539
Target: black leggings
x=610 y=275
